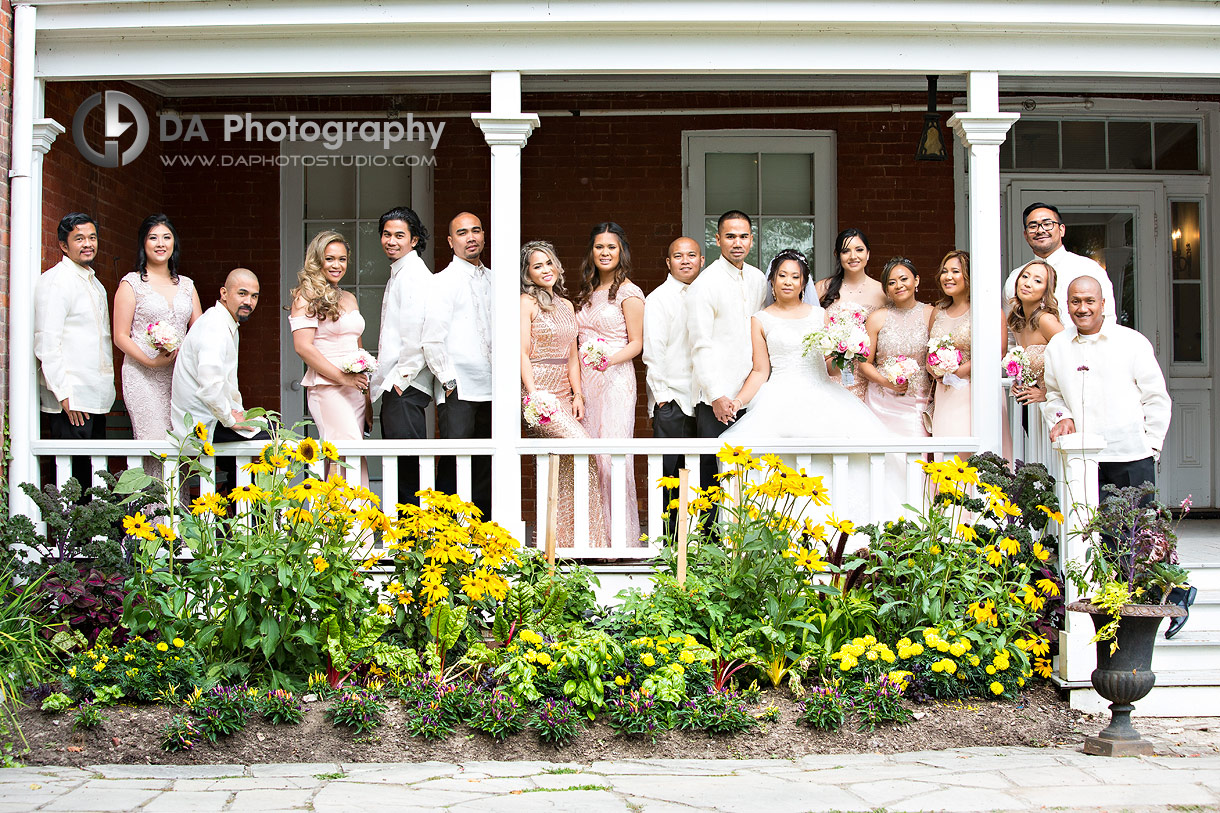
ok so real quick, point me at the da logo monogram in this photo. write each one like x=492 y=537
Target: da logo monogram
x=112 y=102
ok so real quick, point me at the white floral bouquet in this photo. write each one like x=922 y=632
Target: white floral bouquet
x=164 y=336
x=595 y=353
x=898 y=370
x=1018 y=368
x=538 y=408
x=844 y=341
x=943 y=357
x=362 y=361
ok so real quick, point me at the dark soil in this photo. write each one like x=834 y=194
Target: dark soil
x=131 y=734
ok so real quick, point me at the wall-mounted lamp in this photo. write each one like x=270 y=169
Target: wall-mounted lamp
x=931 y=140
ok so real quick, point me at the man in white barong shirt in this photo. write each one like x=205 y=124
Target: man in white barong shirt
x=72 y=342
x=719 y=304
x=403 y=381
x=1103 y=378
x=667 y=356
x=1044 y=231
x=205 y=387
x=457 y=347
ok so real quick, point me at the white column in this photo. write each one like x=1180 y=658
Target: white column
x=506 y=130
x=1076 y=487
x=982 y=130
x=23 y=270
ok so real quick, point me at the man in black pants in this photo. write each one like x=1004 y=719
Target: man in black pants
x=403 y=381
x=667 y=359
x=457 y=346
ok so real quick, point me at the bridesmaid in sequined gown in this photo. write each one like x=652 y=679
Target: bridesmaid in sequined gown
x=549 y=362
x=951 y=317
x=1033 y=318
x=850 y=285
x=899 y=329
x=611 y=308
x=154 y=292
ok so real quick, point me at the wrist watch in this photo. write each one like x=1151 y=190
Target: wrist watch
x=450 y=385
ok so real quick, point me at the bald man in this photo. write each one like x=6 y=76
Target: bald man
x=667 y=353
x=205 y=375
x=1104 y=379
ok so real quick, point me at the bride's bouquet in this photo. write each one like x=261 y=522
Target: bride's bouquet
x=944 y=359
x=164 y=336
x=362 y=361
x=898 y=370
x=1018 y=368
x=539 y=408
x=596 y=354
x=844 y=341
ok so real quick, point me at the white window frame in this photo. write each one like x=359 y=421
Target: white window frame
x=821 y=144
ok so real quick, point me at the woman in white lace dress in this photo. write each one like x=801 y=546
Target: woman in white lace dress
x=154 y=292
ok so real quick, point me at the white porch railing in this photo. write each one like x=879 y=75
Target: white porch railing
x=1031 y=444
x=844 y=464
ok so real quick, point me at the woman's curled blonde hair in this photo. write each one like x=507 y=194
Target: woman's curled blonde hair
x=313 y=288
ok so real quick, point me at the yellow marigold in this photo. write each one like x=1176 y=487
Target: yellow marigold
x=320 y=564
x=162 y=646
x=648 y=659
x=997 y=687
x=950 y=666
x=179 y=643
x=686 y=656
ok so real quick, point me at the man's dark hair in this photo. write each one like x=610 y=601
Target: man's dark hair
x=408 y=216
x=733 y=214
x=70 y=221
x=1032 y=206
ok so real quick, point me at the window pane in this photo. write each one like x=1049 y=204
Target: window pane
x=1130 y=145
x=1187 y=322
x=374 y=268
x=1188 y=305
x=787 y=184
x=1177 y=146
x=383 y=188
x=781 y=233
x=1084 y=145
x=1036 y=144
x=344 y=227
x=711 y=251
x=330 y=192
x=369 y=300
x=1184 y=230
x=1108 y=239
x=731 y=181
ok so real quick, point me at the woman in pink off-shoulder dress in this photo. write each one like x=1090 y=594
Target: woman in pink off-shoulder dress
x=611 y=314
x=549 y=363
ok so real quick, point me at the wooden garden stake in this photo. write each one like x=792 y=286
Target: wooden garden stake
x=683 y=523
x=552 y=511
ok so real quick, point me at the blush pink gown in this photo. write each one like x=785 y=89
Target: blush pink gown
x=146 y=390
x=338 y=410
x=610 y=396
x=951 y=405
x=551 y=335
x=905 y=333
x=860 y=388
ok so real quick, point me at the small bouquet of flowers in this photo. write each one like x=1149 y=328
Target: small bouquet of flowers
x=898 y=370
x=538 y=408
x=1018 y=368
x=844 y=341
x=163 y=336
x=944 y=359
x=362 y=361
x=595 y=353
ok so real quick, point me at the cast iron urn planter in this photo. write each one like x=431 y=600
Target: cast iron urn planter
x=1125 y=676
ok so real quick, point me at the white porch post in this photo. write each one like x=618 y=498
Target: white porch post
x=1076 y=487
x=982 y=129
x=506 y=130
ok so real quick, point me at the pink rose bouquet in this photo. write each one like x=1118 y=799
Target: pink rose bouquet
x=596 y=354
x=943 y=357
x=164 y=336
x=1018 y=368
x=362 y=361
x=844 y=341
x=898 y=370
x=538 y=408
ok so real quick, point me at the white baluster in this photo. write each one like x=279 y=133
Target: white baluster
x=876 y=487
x=656 y=496
x=464 y=477
x=389 y=486
x=618 y=502
x=63 y=470
x=542 y=466
x=97 y=463
x=580 y=501
x=427 y=472
x=840 y=465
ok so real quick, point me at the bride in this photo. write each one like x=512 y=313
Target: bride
x=791 y=395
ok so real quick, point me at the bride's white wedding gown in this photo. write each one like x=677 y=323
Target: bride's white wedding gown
x=800 y=401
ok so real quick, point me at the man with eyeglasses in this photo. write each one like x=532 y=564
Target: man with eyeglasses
x=1044 y=232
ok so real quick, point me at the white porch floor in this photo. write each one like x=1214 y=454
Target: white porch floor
x=1199 y=542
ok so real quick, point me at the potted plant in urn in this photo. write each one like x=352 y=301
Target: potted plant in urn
x=1130 y=568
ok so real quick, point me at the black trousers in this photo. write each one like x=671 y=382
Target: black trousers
x=669 y=421
x=56 y=426
x=707 y=426
x=1123 y=473
x=460 y=420
x=226 y=467
x=403 y=418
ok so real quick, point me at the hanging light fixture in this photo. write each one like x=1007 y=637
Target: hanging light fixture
x=931 y=140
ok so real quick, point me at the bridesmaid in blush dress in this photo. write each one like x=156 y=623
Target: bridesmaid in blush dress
x=1033 y=319
x=611 y=308
x=154 y=292
x=326 y=329
x=850 y=285
x=951 y=317
x=899 y=329
x=549 y=363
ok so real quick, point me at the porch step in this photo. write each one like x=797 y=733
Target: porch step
x=1204 y=576
x=1165 y=700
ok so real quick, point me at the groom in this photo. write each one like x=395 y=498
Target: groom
x=720 y=302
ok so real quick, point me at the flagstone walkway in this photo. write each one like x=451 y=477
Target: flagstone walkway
x=964 y=779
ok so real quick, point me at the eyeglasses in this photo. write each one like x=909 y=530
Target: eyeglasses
x=1041 y=225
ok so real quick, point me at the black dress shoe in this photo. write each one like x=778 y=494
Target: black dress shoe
x=1184 y=597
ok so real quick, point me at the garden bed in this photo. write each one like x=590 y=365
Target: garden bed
x=131 y=735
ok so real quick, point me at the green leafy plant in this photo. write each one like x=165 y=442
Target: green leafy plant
x=348 y=648
x=357 y=709
x=557 y=721
x=223 y=711
x=499 y=714
x=824 y=708
x=636 y=714
x=446 y=624
x=57 y=702
x=26 y=656
x=427 y=718
x=179 y=734
x=724 y=712
x=87 y=717
x=281 y=707
x=139 y=669
x=878 y=703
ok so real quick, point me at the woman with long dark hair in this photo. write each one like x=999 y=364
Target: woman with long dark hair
x=154 y=296
x=848 y=288
x=951 y=318
x=896 y=332
x=611 y=317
